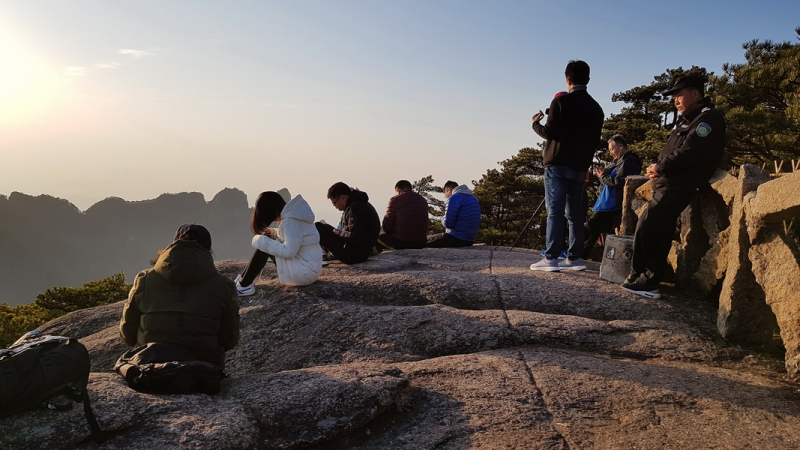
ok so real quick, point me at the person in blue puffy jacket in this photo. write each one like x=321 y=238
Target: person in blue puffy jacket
x=461 y=219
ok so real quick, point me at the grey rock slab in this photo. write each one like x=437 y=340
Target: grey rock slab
x=637 y=339
x=286 y=335
x=85 y=322
x=135 y=421
x=465 y=401
x=577 y=293
x=603 y=402
x=299 y=408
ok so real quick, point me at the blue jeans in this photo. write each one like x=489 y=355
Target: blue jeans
x=563 y=190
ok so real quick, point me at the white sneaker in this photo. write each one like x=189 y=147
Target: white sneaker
x=244 y=291
x=546 y=265
x=572 y=264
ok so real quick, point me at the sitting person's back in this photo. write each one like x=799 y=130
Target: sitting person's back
x=461 y=220
x=405 y=224
x=184 y=301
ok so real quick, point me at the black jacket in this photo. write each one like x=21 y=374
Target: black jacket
x=693 y=151
x=572 y=131
x=360 y=222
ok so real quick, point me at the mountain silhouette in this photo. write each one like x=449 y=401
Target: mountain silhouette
x=47 y=241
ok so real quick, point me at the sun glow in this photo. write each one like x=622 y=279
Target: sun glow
x=29 y=87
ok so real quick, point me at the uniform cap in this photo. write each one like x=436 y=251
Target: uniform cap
x=691 y=81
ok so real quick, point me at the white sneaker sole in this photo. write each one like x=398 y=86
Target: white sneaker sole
x=572 y=267
x=648 y=294
x=545 y=268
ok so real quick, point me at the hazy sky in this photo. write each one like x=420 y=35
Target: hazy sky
x=136 y=98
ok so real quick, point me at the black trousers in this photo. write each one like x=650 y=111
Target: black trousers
x=602 y=222
x=387 y=241
x=254 y=267
x=342 y=250
x=446 y=240
x=655 y=230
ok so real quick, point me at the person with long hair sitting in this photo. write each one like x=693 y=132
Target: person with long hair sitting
x=293 y=245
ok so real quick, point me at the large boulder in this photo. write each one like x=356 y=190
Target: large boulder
x=743 y=316
x=725 y=184
x=775 y=261
x=706 y=282
x=700 y=225
x=631 y=203
x=777 y=201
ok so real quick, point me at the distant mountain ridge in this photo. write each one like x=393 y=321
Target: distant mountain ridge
x=47 y=241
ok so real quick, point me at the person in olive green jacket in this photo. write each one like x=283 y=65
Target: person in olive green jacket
x=184 y=301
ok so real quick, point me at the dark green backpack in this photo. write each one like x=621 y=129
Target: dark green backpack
x=38 y=369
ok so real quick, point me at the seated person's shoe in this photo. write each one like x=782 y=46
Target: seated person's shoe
x=644 y=286
x=244 y=291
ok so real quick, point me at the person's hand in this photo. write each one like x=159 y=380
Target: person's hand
x=651 y=172
x=537 y=117
x=268 y=233
x=597 y=172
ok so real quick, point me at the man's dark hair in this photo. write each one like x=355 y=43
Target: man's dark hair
x=578 y=72
x=450 y=184
x=338 y=189
x=403 y=185
x=619 y=140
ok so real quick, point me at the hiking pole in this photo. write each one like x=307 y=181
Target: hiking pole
x=538 y=208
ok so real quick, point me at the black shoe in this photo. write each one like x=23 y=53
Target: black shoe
x=631 y=278
x=644 y=286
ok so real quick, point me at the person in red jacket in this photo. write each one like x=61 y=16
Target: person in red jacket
x=405 y=224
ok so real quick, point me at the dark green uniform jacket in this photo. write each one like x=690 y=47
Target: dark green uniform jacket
x=183 y=301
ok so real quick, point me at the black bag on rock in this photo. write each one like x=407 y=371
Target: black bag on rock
x=165 y=369
x=39 y=371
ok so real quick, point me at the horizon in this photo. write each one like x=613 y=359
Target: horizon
x=138 y=99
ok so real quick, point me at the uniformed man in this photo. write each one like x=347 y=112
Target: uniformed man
x=684 y=166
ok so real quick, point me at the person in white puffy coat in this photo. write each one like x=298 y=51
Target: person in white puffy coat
x=294 y=245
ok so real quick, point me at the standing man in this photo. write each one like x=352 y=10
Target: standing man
x=572 y=133
x=405 y=224
x=687 y=162
x=462 y=218
x=360 y=225
x=608 y=207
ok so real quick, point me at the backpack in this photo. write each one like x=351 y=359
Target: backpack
x=157 y=368
x=37 y=369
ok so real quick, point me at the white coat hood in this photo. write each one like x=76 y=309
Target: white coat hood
x=298 y=209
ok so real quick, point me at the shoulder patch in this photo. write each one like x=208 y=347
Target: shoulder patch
x=703 y=129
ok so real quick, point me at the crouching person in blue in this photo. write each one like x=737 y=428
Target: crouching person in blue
x=462 y=218
x=180 y=310
x=608 y=208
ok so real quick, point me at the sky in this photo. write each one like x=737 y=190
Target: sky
x=133 y=99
